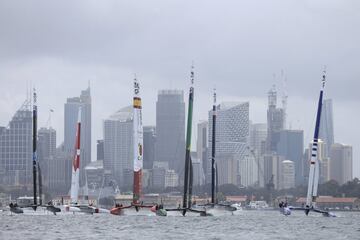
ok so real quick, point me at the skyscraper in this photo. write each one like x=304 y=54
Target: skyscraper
x=170 y=129
x=100 y=150
x=272 y=169
x=198 y=172
x=287 y=174
x=118 y=142
x=257 y=142
x=232 y=133
x=326 y=132
x=59 y=171
x=16 y=148
x=249 y=171
x=291 y=147
x=324 y=161
x=149 y=146
x=71 y=109
x=341 y=163
x=275 y=121
x=201 y=145
x=46 y=152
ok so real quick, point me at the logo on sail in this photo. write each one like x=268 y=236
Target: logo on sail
x=140 y=151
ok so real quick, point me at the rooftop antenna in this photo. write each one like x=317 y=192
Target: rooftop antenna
x=284 y=96
x=192 y=73
x=27 y=90
x=48 y=122
x=214 y=96
x=324 y=76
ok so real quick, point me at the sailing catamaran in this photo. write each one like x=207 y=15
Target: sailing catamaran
x=188 y=171
x=314 y=168
x=75 y=205
x=137 y=157
x=214 y=204
x=314 y=163
x=35 y=207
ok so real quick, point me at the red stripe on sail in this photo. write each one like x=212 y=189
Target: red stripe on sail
x=76 y=162
x=137 y=186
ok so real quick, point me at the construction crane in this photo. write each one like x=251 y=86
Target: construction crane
x=260 y=169
x=284 y=96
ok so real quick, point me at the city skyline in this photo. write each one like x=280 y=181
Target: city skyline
x=60 y=138
x=238 y=55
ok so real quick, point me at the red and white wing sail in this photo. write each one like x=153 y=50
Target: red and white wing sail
x=138 y=142
x=76 y=164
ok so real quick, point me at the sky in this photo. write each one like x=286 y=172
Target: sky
x=239 y=47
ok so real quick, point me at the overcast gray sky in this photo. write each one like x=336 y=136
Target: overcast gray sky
x=237 y=46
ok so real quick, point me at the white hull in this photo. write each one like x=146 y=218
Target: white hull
x=39 y=211
x=141 y=212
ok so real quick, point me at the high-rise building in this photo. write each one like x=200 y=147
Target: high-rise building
x=202 y=145
x=341 y=163
x=16 y=148
x=171 y=178
x=249 y=171
x=95 y=175
x=158 y=174
x=324 y=162
x=232 y=133
x=326 y=132
x=146 y=178
x=170 y=129
x=258 y=136
x=275 y=121
x=59 y=171
x=287 y=174
x=228 y=169
x=291 y=147
x=198 y=172
x=272 y=169
x=149 y=146
x=118 y=150
x=71 y=110
x=46 y=153
x=100 y=150
x=257 y=142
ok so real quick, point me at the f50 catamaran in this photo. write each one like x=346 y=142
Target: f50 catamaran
x=37 y=207
x=314 y=162
x=314 y=167
x=188 y=171
x=75 y=205
x=214 y=204
x=138 y=155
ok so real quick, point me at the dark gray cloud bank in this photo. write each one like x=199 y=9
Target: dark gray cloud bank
x=59 y=46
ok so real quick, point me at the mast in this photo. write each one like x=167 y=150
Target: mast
x=34 y=147
x=190 y=184
x=76 y=164
x=217 y=184
x=138 y=143
x=213 y=141
x=40 y=184
x=188 y=143
x=314 y=163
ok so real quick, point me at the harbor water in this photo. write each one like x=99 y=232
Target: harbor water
x=243 y=225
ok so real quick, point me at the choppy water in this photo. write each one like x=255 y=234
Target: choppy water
x=244 y=225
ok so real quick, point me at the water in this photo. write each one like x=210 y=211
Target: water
x=244 y=225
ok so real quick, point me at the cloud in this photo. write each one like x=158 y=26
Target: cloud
x=237 y=46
